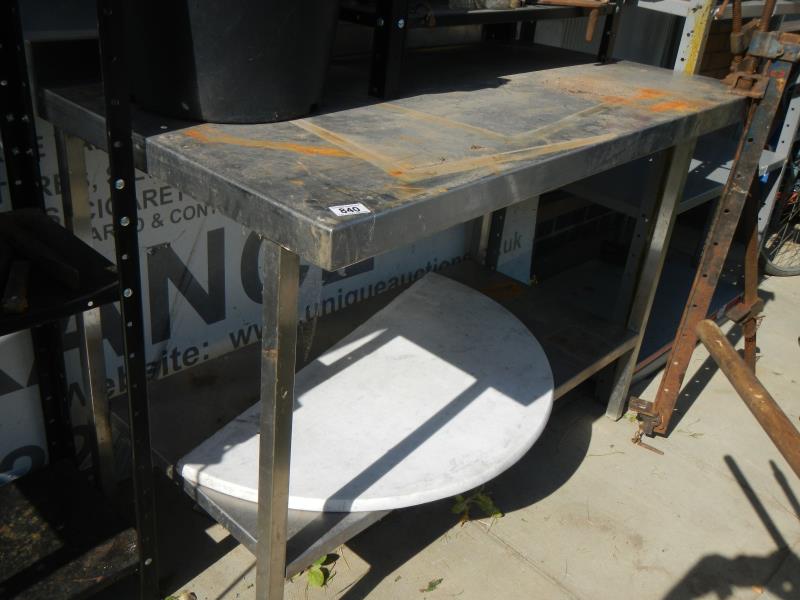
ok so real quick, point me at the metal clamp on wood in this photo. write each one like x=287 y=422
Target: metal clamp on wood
x=741 y=312
x=645 y=411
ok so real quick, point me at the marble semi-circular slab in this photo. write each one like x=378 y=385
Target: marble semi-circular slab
x=437 y=393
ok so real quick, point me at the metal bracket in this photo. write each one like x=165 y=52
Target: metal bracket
x=773 y=44
x=741 y=41
x=645 y=413
x=751 y=85
x=741 y=312
x=765 y=44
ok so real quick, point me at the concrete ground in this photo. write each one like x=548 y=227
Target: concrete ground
x=587 y=514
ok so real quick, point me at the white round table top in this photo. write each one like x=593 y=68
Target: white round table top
x=434 y=395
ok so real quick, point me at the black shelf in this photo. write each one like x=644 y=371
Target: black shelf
x=441 y=15
x=49 y=299
x=59 y=537
x=390 y=21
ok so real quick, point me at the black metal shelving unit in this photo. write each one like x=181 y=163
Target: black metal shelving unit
x=391 y=20
x=61 y=538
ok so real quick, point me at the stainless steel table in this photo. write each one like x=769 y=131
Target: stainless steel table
x=477 y=131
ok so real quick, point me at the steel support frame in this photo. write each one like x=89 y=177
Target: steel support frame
x=388 y=45
x=48 y=355
x=389 y=41
x=655 y=417
x=20 y=145
x=694 y=36
x=651 y=262
x=608 y=36
x=280 y=274
x=786 y=141
x=111 y=29
x=21 y=155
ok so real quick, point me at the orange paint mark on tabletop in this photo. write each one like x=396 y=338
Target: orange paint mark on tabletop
x=208 y=135
x=674 y=106
x=648 y=94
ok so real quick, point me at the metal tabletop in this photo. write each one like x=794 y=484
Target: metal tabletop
x=476 y=137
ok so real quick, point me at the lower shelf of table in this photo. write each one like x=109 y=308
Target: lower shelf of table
x=189 y=406
x=311 y=534
x=59 y=538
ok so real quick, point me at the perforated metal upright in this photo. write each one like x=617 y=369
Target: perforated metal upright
x=22 y=164
x=122 y=181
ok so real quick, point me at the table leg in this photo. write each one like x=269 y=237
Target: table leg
x=78 y=219
x=655 y=252
x=640 y=242
x=280 y=275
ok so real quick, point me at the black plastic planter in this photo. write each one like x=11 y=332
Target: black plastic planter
x=239 y=61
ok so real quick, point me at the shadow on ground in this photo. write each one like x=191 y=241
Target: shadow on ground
x=184 y=545
x=722 y=575
x=545 y=468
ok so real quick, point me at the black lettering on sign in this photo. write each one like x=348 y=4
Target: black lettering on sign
x=165 y=266
x=513 y=244
x=344 y=210
x=74 y=390
x=8 y=384
x=51 y=187
x=245 y=335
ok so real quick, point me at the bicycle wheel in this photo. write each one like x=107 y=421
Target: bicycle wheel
x=781 y=249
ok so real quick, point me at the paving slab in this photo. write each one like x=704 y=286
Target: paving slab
x=471 y=564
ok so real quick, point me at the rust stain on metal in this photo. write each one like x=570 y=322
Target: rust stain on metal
x=207 y=134
x=674 y=106
x=644 y=98
x=649 y=94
